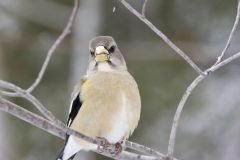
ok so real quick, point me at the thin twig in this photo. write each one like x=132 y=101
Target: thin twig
x=29 y=117
x=188 y=92
x=219 y=59
x=177 y=115
x=144 y=8
x=65 y=32
x=218 y=64
x=143 y=149
x=163 y=36
x=19 y=92
x=223 y=63
x=26 y=93
x=8 y=94
x=60 y=131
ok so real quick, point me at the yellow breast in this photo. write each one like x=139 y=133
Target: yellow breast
x=109 y=100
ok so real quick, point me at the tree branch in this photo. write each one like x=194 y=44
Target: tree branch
x=143 y=149
x=185 y=96
x=19 y=92
x=177 y=115
x=162 y=36
x=61 y=131
x=144 y=8
x=218 y=64
x=29 y=117
x=219 y=59
x=65 y=32
x=223 y=63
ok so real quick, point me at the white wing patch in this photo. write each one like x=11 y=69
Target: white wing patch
x=71 y=148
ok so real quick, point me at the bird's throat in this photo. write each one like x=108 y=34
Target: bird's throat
x=105 y=67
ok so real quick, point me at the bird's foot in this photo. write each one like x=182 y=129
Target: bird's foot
x=115 y=149
x=103 y=144
x=118 y=148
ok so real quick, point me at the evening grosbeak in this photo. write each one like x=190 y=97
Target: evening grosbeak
x=105 y=103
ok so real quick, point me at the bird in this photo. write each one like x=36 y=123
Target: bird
x=105 y=103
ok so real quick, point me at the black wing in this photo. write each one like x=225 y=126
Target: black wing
x=76 y=105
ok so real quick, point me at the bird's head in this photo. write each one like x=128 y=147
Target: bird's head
x=105 y=55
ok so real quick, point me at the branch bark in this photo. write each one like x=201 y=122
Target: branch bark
x=219 y=59
x=162 y=36
x=185 y=97
x=144 y=8
x=202 y=75
x=61 y=131
x=16 y=91
x=218 y=64
x=66 y=31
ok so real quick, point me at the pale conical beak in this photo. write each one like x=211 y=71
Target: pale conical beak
x=101 y=54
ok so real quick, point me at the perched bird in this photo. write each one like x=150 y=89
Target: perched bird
x=105 y=103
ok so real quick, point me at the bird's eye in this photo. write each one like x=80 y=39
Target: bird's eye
x=112 y=49
x=92 y=53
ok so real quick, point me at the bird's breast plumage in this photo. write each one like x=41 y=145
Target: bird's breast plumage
x=111 y=106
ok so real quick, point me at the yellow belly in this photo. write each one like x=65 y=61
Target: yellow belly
x=110 y=109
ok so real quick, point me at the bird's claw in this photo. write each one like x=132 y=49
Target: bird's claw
x=105 y=145
x=118 y=148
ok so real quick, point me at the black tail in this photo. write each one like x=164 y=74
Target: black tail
x=71 y=158
x=60 y=156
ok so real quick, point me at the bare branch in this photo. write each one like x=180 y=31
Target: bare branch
x=61 y=131
x=184 y=98
x=8 y=94
x=223 y=63
x=218 y=64
x=143 y=149
x=144 y=8
x=219 y=59
x=178 y=114
x=162 y=36
x=19 y=92
x=29 y=117
x=65 y=32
